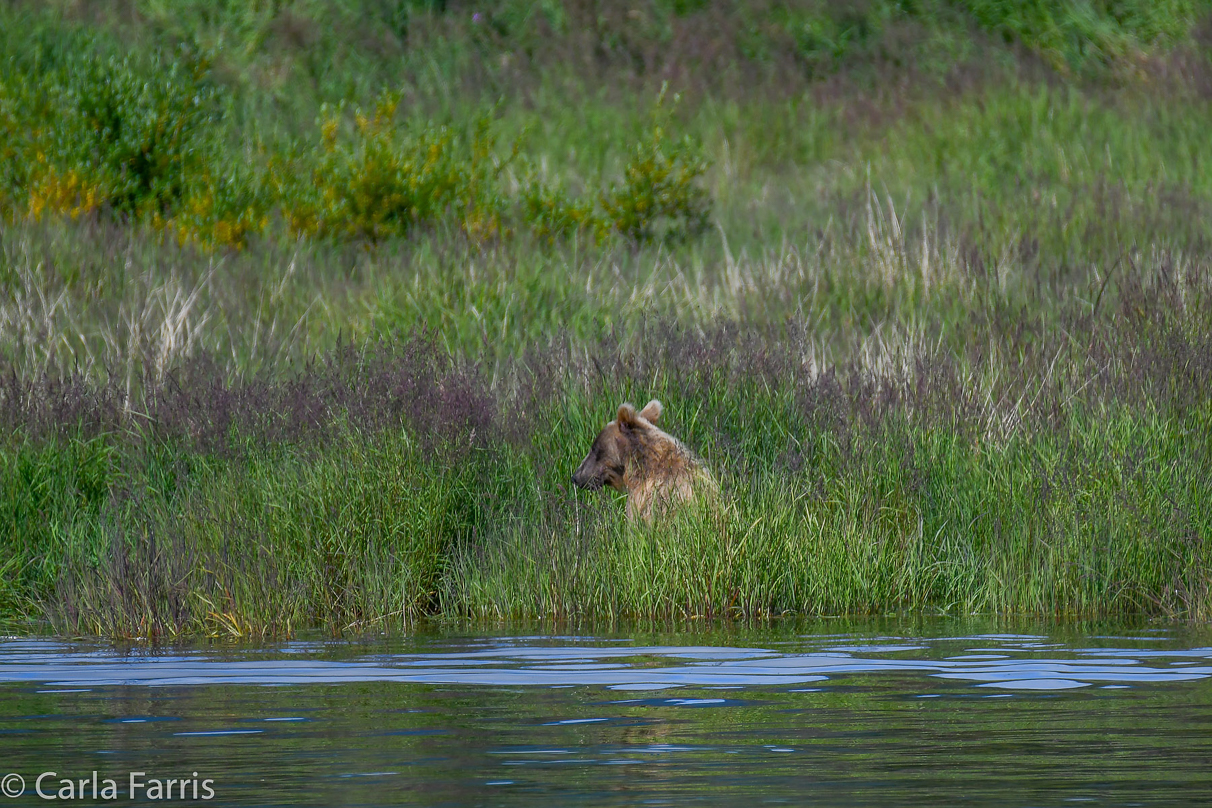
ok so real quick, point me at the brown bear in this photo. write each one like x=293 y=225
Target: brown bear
x=652 y=467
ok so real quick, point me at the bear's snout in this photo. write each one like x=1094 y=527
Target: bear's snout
x=586 y=479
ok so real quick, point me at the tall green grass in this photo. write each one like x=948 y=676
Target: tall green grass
x=1104 y=518
x=1058 y=470
x=926 y=284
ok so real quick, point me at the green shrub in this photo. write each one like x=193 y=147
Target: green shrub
x=824 y=36
x=1069 y=33
x=225 y=207
x=117 y=138
x=385 y=179
x=382 y=180
x=552 y=214
x=660 y=195
x=83 y=130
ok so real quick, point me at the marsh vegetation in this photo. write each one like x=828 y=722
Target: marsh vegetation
x=309 y=310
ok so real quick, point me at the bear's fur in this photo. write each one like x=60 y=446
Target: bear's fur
x=652 y=467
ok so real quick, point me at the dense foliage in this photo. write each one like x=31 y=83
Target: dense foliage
x=309 y=309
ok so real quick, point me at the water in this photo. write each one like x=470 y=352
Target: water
x=879 y=716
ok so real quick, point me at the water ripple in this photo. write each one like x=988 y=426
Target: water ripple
x=548 y=662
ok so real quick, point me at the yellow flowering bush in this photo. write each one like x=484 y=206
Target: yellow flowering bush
x=552 y=214
x=385 y=179
x=660 y=195
x=63 y=194
x=210 y=218
x=379 y=178
x=93 y=135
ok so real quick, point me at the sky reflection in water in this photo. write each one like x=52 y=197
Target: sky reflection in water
x=870 y=718
x=1012 y=662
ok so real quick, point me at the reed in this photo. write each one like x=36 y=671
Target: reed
x=1062 y=472
x=945 y=340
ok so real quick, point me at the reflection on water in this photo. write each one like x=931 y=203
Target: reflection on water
x=922 y=717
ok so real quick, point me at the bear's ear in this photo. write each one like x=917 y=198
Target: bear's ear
x=627 y=415
x=651 y=411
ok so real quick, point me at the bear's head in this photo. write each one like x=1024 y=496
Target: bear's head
x=615 y=446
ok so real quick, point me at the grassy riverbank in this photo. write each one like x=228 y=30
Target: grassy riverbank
x=928 y=287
